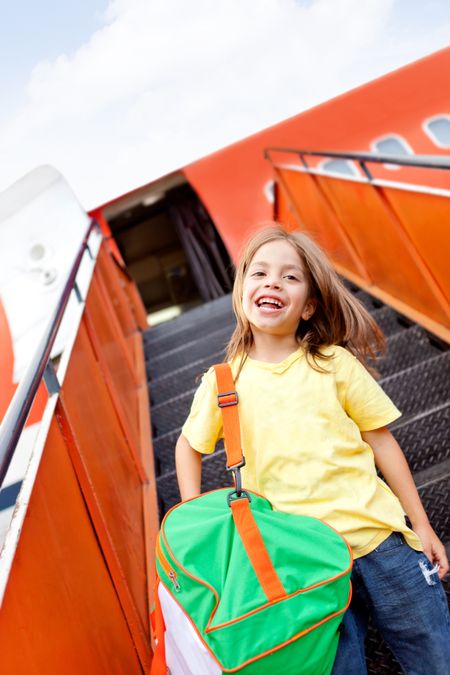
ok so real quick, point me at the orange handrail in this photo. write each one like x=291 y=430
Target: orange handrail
x=389 y=238
x=77 y=557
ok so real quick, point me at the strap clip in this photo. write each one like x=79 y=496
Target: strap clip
x=227 y=398
x=238 y=491
x=231 y=498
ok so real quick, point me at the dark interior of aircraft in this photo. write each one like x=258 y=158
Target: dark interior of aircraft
x=171 y=247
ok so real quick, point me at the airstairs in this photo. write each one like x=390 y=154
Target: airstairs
x=77 y=560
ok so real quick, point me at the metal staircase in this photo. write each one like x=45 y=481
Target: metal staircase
x=415 y=373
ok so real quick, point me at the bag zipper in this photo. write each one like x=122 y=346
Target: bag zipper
x=166 y=566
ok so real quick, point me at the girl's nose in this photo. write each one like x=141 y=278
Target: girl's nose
x=272 y=283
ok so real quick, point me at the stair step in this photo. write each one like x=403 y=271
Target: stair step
x=433 y=474
x=171 y=414
x=189 y=334
x=435 y=497
x=405 y=349
x=164 y=452
x=181 y=380
x=389 y=321
x=214 y=475
x=205 y=312
x=369 y=302
x=164 y=449
x=187 y=353
x=420 y=387
x=425 y=441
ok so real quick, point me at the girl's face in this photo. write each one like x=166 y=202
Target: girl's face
x=275 y=290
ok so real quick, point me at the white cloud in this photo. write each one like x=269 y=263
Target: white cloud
x=167 y=81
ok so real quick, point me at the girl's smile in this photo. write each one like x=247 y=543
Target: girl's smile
x=269 y=304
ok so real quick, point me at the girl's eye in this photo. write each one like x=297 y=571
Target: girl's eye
x=258 y=274
x=291 y=277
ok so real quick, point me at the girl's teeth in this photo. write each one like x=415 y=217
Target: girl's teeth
x=269 y=301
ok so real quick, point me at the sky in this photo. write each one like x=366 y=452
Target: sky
x=115 y=93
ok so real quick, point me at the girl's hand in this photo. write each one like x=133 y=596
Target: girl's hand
x=433 y=548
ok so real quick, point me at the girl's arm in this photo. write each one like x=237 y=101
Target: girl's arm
x=189 y=469
x=391 y=461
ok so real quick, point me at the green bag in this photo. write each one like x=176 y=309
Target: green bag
x=242 y=588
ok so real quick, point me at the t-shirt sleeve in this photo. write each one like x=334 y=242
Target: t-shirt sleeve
x=203 y=427
x=365 y=401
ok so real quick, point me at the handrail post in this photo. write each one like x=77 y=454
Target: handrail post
x=367 y=172
x=303 y=160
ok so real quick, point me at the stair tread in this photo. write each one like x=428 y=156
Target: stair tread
x=193 y=316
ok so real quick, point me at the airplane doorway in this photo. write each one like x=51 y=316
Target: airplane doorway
x=170 y=246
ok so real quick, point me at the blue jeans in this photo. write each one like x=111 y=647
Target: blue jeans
x=408 y=605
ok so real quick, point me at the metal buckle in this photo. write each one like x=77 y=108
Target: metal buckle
x=238 y=491
x=225 y=404
x=244 y=495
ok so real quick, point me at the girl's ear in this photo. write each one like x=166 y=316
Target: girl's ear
x=309 y=309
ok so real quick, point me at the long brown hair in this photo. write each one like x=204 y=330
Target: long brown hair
x=339 y=318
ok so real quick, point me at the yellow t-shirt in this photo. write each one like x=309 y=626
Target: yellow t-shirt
x=302 y=444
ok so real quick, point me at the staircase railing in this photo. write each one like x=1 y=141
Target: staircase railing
x=364 y=158
x=78 y=551
x=390 y=238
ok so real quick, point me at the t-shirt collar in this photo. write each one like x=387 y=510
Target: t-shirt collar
x=279 y=367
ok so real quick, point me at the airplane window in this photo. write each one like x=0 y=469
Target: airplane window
x=391 y=145
x=438 y=129
x=342 y=166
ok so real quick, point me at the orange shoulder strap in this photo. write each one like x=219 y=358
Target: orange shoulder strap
x=244 y=520
x=255 y=548
x=227 y=399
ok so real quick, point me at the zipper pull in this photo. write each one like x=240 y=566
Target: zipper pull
x=174 y=580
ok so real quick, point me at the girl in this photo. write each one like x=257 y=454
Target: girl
x=314 y=428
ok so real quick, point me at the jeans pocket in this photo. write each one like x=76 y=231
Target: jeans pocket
x=395 y=540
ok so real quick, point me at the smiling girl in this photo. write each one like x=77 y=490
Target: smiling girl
x=314 y=429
